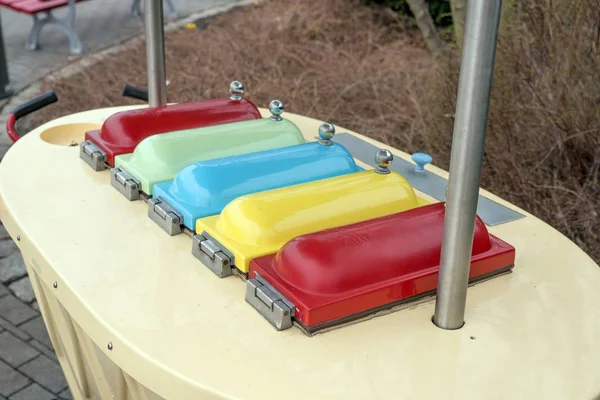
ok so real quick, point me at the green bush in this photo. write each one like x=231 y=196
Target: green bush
x=439 y=9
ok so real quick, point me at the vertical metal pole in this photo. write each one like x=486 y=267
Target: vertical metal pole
x=4 y=81
x=155 y=53
x=474 y=86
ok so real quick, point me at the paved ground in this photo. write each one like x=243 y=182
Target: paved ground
x=99 y=23
x=28 y=366
x=29 y=369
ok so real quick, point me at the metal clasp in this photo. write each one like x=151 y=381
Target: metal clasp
x=92 y=155
x=167 y=217
x=212 y=254
x=125 y=183
x=269 y=303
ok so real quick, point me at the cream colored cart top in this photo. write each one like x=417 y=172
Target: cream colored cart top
x=133 y=315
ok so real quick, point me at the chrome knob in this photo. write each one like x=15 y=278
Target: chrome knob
x=326 y=132
x=236 y=88
x=383 y=159
x=276 y=107
x=421 y=159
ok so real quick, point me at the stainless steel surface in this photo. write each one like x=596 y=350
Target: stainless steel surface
x=155 y=54
x=474 y=86
x=210 y=252
x=491 y=212
x=125 y=183
x=276 y=107
x=236 y=88
x=326 y=133
x=165 y=216
x=92 y=155
x=269 y=303
x=383 y=160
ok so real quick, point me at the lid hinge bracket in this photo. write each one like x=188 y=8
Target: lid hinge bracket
x=212 y=254
x=269 y=303
x=92 y=155
x=125 y=183
x=165 y=216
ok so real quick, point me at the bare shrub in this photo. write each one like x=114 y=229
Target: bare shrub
x=359 y=67
x=543 y=137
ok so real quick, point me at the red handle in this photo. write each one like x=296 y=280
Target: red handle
x=27 y=108
x=10 y=127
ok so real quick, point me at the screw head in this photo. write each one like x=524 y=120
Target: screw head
x=109 y=345
x=55 y=285
x=236 y=88
x=276 y=107
x=18 y=238
x=383 y=159
x=326 y=132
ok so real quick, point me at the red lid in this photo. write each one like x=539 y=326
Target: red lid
x=347 y=270
x=122 y=132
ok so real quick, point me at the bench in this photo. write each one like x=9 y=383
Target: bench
x=37 y=7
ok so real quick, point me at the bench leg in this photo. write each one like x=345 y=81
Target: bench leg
x=67 y=25
x=136 y=8
x=33 y=41
x=172 y=9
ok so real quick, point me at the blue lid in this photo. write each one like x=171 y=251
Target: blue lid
x=206 y=187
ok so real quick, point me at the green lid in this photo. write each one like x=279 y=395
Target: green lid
x=159 y=158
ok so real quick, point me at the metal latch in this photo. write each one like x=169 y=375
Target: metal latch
x=125 y=183
x=269 y=303
x=165 y=216
x=91 y=154
x=218 y=259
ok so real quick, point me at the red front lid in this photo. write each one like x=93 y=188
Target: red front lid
x=122 y=132
x=347 y=270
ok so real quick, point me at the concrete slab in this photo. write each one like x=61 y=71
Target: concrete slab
x=15 y=311
x=11 y=380
x=32 y=392
x=45 y=372
x=14 y=351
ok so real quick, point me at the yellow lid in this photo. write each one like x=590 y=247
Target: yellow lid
x=261 y=223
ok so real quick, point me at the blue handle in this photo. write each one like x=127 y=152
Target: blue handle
x=421 y=159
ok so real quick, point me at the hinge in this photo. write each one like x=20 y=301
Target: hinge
x=125 y=183
x=218 y=259
x=168 y=218
x=92 y=155
x=269 y=303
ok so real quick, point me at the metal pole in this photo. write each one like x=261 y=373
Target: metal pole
x=4 y=81
x=474 y=86
x=155 y=53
